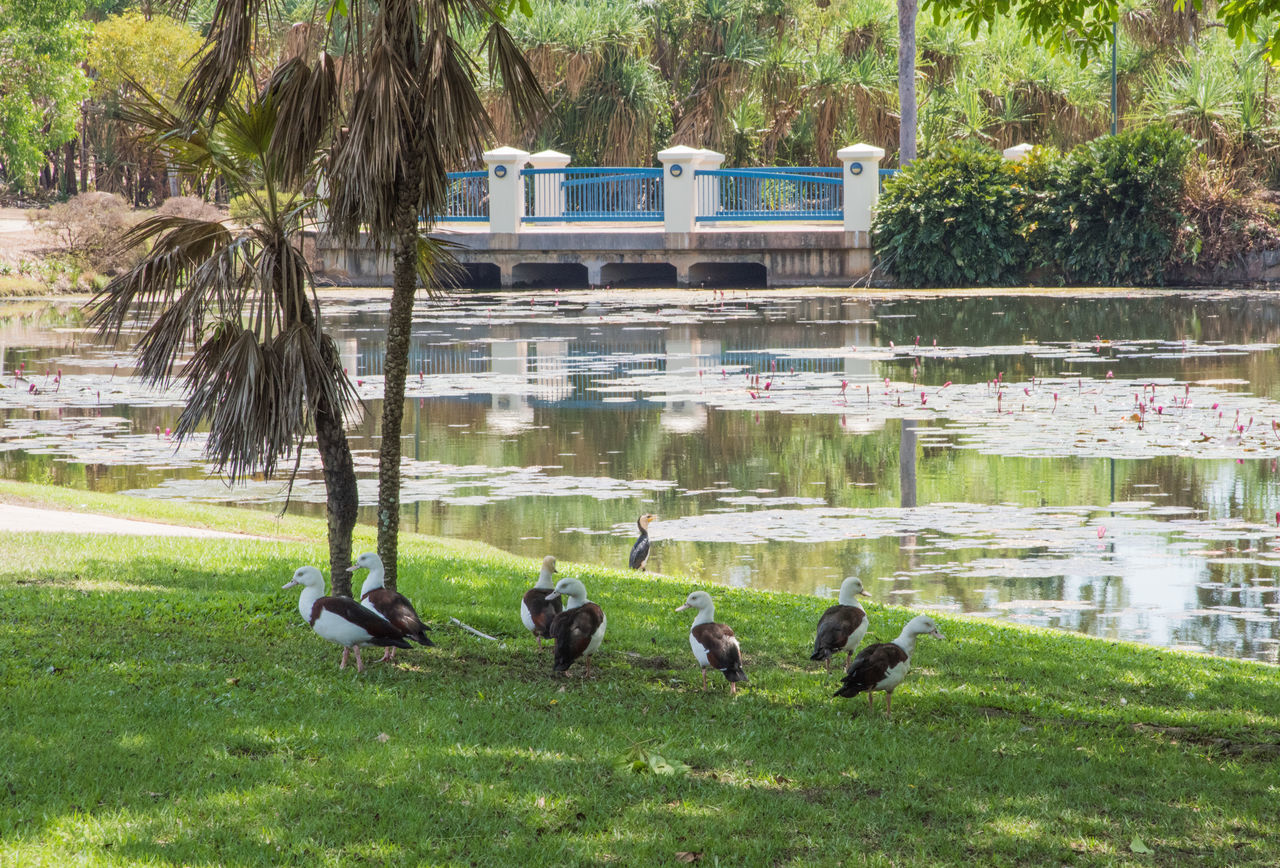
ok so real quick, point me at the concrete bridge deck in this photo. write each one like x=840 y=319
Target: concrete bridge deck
x=583 y=254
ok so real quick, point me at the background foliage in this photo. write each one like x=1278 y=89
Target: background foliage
x=951 y=219
x=1106 y=213
x=763 y=81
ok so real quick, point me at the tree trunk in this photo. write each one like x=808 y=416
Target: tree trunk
x=343 y=498
x=907 y=80
x=84 y=150
x=69 y=167
x=395 y=366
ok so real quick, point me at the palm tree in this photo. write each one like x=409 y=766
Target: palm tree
x=241 y=301
x=406 y=110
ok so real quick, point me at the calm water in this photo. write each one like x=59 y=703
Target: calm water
x=1105 y=464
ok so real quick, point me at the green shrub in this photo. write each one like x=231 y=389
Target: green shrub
x=1108 y=212
x=951 y=219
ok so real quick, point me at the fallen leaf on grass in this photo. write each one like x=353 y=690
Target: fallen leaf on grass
x=1137 y=845
x=382 y=737
x=684 y=856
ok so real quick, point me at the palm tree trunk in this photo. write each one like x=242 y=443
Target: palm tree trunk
x=907 y=80
x=342 y=495
x=395 y=367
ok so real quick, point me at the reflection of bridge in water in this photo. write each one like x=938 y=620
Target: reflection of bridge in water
x=565 y=363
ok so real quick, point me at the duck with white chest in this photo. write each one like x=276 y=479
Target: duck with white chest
x=579 y=629
x=714 y=645
x=843 y=625
x=883 y=666
x=341 y=619
x=392 y=605
x=536 y=610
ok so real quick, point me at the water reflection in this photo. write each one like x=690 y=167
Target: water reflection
x=974 y=455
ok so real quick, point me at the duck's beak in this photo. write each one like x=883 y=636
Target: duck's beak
x=553 y=595
x=352 y=568
x=291 y=583
x=685 y=606
x=863 y=593
x=938 y=633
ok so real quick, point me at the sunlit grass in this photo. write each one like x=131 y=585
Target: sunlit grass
x=163 y=703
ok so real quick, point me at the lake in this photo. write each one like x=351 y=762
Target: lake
x=1101 y=462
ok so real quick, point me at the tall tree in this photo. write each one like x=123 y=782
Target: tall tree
x=262 y=373
x=42 y=45
x=409 y=109
x=907 y=10
x=128 y=51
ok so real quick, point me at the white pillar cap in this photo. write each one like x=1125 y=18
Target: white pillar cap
x=680 y=153
x=1018 y=152
x=549 y=160
x=860 y=151
x=506 y=155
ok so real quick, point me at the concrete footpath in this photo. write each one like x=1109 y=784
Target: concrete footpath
x=30 y=519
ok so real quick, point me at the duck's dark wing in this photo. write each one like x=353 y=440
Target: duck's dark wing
x=834 y=629
x=381 y=631
x=397 y=609
x=541 y=610
x=640 y=552
x=572 y=631
x=722 y=648
x=870 y=667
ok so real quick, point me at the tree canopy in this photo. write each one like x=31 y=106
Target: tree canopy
x=42 y=44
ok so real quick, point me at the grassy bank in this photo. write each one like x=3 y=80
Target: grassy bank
x=164 y=703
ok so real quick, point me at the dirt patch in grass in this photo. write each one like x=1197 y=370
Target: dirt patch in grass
x=1228 y=746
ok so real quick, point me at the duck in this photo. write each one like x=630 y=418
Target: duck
x=579 y=629
x=714 y=645
x=843 y=625
x=640 y=551
x=392 y=605
x=883 y=666
x=341 y=619
x=536 y=610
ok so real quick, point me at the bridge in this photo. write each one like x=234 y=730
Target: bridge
x=533 y=220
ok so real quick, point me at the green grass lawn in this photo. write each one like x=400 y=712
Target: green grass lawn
x=163 y=703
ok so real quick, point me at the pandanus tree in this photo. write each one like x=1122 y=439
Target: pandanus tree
x=405 y=110
x=231 y=313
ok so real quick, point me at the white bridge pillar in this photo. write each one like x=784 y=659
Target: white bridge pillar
x=506 y=188
x=861 y=175
x=548 y=200
x=679 y=205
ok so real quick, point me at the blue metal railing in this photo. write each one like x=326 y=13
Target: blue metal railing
x=886 y=174
x=468 y=197
x=768 y=194
x=820 y=171
x=594 y=194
